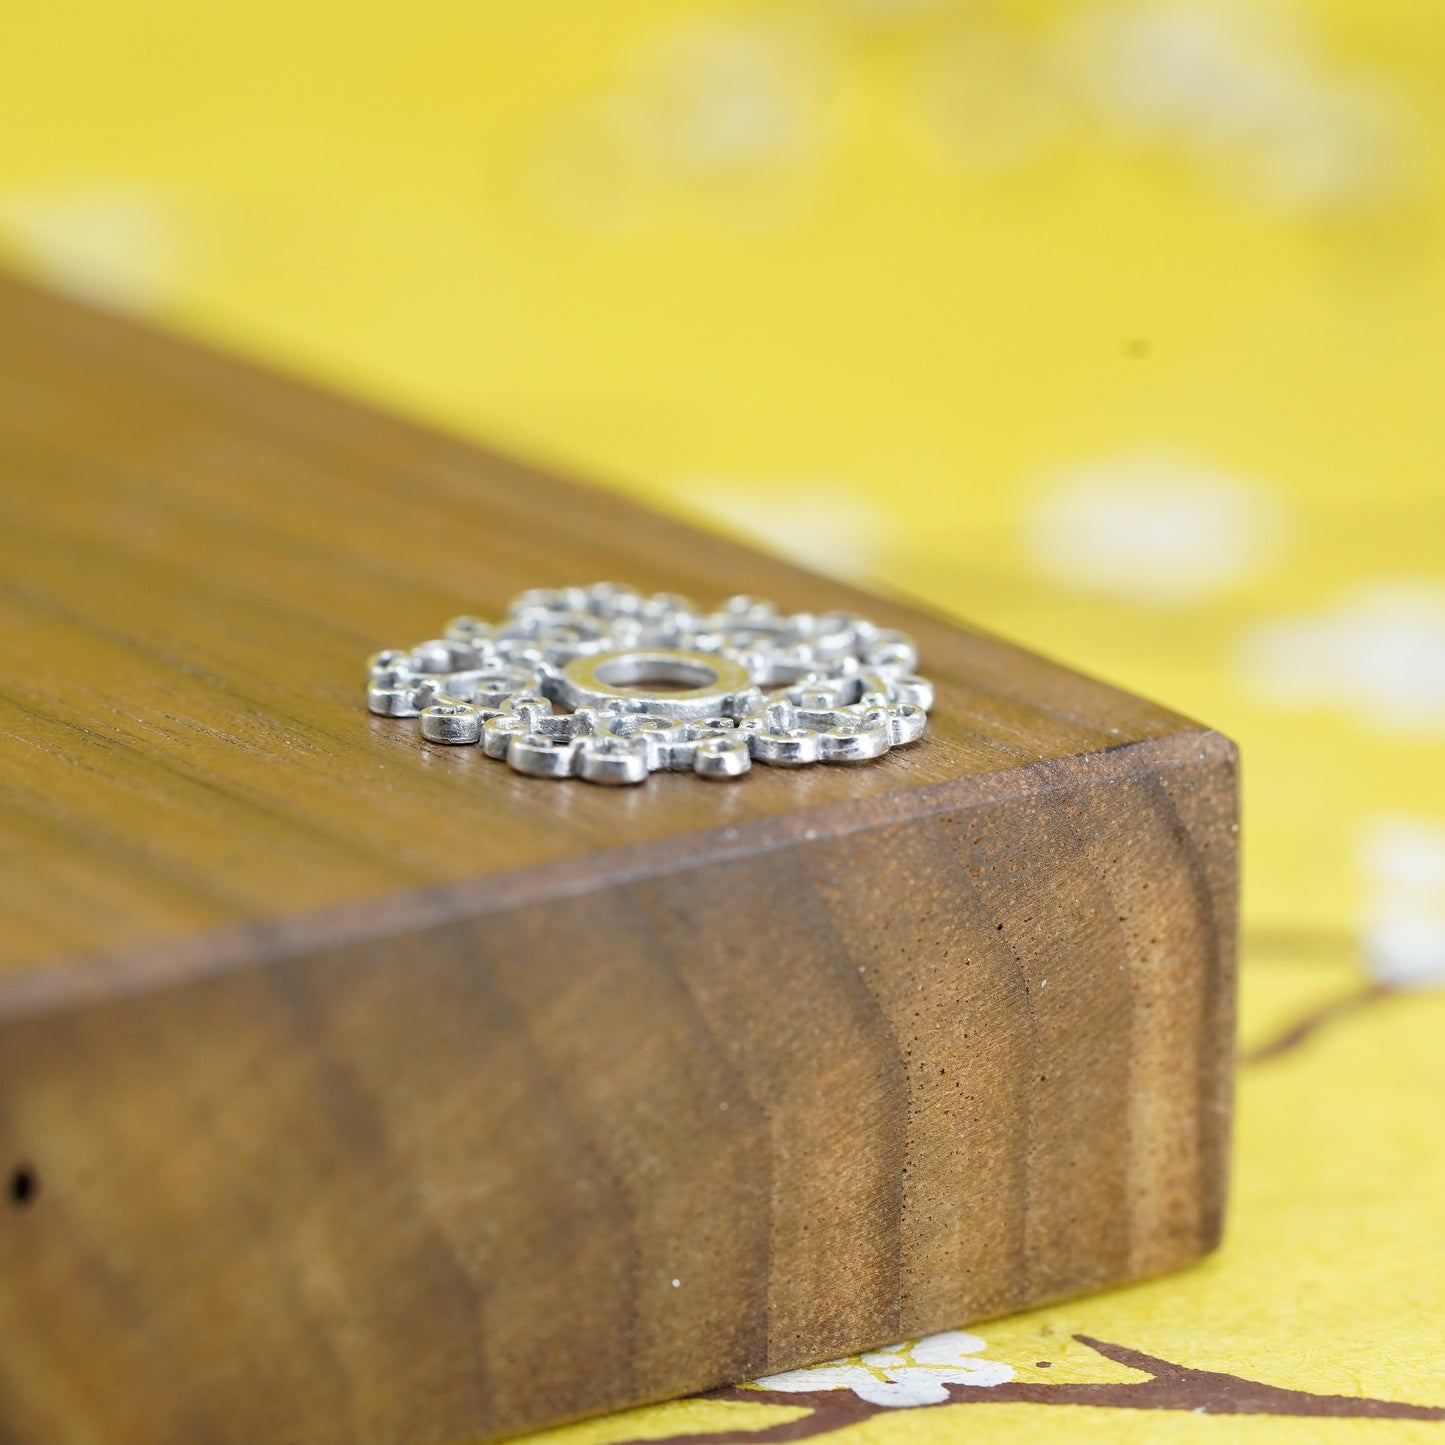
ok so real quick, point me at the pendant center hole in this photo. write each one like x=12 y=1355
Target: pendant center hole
x=655 y=672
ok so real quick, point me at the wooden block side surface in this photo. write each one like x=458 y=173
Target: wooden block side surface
x=796 y=1093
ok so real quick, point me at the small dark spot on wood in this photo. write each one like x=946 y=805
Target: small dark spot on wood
x=24 y=1185
x=1042 y=1364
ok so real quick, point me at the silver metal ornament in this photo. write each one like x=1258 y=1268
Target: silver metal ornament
x=608 y=685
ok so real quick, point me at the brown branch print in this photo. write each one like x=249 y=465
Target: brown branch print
x=1168 y=1387
x=1304 y=1029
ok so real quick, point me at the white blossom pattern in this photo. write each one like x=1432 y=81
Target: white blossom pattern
x=1246 y=91
x=826 y=523
x=1379 y=653
x=110 y=245
x=915 y=1372
x=1158 y=528
x=1403 y=860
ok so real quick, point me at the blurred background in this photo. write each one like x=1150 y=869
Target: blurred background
x=1113 y=326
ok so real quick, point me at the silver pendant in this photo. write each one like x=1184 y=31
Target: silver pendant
x=606 y=684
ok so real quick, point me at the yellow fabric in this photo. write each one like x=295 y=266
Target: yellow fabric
x=1114 y=326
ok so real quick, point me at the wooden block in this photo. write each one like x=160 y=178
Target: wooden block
x=354 y=1090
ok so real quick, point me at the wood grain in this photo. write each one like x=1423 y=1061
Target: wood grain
x=358 y=1091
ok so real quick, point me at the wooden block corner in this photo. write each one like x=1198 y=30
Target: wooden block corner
x=356 y=1091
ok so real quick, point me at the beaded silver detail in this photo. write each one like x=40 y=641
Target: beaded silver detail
x=608 y=685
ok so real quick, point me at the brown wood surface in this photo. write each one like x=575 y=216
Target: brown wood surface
x=358 y=1091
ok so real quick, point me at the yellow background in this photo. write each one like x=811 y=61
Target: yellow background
x=946 y=295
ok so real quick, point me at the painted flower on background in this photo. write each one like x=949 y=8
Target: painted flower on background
x=830 y=524
x=1378 y=653
x=1403 y=860
x=916 y=1372
x=1153 y=528
x=111 y=245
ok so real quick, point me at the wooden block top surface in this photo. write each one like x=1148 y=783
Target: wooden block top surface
x=195 y=560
